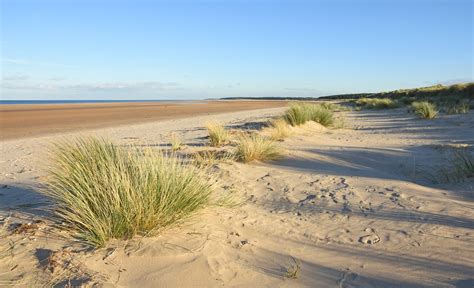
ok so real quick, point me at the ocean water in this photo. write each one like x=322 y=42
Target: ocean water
x=87 y=101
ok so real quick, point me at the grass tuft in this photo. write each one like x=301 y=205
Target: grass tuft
x=104 y=191
x=462 y=108
x=301 y=113
x=424 y=109
x=279 y=129
x=218 y=135
x=462 y=167
x=255 y=147
x=176 y=143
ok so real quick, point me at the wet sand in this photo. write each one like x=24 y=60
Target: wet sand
x=24 y=120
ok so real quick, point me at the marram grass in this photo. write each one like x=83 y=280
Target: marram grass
x=424 y=109
x=255 y=147
x=376 y=103
x=105 y=191
x=218 y=135
x=301 y=113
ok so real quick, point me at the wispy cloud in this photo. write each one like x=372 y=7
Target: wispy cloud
x=15 y=77
x=101 y=86
x=302 y=89
x=27 y=62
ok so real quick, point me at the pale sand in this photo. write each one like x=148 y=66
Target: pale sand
x=333 y=193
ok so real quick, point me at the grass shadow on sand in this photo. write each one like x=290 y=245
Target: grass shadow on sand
x=27 y=201
x=414 y=164
x=272 y=263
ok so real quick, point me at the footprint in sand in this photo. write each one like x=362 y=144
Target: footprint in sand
x=371 y=238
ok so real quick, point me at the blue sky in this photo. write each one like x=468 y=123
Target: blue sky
x=204 y=49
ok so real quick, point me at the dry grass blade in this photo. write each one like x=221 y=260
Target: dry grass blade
x=293 y=271
x=104 y=191
x=210 y=158
x=255 y=147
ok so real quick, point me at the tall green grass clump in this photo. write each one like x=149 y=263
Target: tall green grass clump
x=105 y=191
x=376 y=103
x=301 y=113
x=297 y=114
x=424 y=109
x=218 y=135
x=255 y=147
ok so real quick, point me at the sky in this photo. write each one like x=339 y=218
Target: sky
x=207 y=49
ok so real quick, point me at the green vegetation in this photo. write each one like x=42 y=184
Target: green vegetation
x=105 y=191
x=255 y=147
x=301 y=113
x=376 y=103
x=424 y=109
x=218 y=135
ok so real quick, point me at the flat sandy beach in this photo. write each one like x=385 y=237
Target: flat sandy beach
x=25 y=120
x=359 y=206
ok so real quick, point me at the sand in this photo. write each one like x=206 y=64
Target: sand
x=20 y=120
x=353 y=207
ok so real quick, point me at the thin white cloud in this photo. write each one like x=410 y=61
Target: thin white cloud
x=302 y=89
x=101 y=86
x=32 y=63
x=15 y=77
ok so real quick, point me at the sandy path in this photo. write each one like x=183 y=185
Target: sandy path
x=355 y=207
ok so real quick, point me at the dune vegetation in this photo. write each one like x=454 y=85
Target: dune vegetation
x=279 y=129
x=105 y=191
x=424 y=109
x=300 y=113
x=218 y=135
x=376 y=103
x=255 y=147
x=176 y=142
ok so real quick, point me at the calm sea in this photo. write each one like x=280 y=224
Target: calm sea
x=88 y=101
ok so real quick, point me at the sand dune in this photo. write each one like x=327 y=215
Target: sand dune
x=353 y=207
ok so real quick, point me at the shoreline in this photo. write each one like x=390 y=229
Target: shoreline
x=19 y=121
